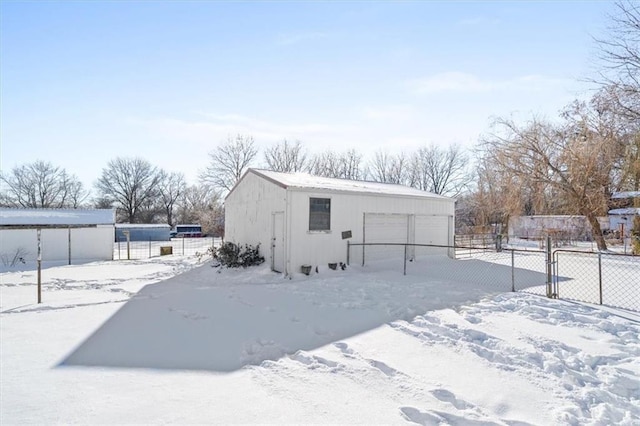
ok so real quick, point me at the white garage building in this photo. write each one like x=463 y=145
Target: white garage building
x=299 y=219
x=66 y=235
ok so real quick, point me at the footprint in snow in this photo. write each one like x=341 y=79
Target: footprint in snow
x=384 y=368
x=416 y=416
x=447 y=396
x=345 y=349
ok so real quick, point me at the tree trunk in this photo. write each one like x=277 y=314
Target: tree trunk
x=596 y=230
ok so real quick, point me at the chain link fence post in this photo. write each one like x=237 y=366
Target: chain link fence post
x=513 y=270
x=600 y=275
x=405 y=260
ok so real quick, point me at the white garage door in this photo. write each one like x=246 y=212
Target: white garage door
x=404 y=228
x=431 y=230
x=385 y=228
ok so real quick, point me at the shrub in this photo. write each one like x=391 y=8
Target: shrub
x=635 y=235
x=12 y=259
x=233 y=256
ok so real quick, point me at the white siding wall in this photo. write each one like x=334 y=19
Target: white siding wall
x=319 y=248
x=87 y=244
x=249 y=212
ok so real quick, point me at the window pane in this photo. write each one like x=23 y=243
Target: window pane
x=319 y=214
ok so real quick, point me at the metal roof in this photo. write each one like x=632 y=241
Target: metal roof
x=310 y=182
x=56 y=217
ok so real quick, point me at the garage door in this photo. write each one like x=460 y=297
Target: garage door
x=385 y=228
x=431 y=230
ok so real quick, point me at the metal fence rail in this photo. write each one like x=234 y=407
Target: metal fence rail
x=124 y=250
x=601 y=278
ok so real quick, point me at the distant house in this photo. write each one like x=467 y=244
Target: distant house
x=564 y=227
x=143 y=232
x=299 y=219
x=66 y=235
x=621 y=218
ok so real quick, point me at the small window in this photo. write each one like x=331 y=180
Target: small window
x=319 y=214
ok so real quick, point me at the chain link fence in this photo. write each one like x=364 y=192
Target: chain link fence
x=601 y=278
x=607 y=279
x=128 y=250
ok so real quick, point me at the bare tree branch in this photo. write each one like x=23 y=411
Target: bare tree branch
x=285 y=157
x=41 y=185
x=131 y=184
x=441 y=171
x=229 y=162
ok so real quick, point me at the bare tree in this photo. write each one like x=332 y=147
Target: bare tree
x=229 y=162
x=171 y=187
x=441 y=171
x=620 y=57
x=577 y=159
x=131 y=184
x=75 y=194
x=496 y=197
x=388 y=168
x=41 y=185
x=325 y=164
x=350 y=165
x=285 y=157
x=202 y=204
x=343 y=166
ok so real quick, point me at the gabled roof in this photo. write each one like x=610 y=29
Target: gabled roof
x=56 y=217
x=305 y=181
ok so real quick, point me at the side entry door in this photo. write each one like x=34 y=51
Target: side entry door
x=277 y=242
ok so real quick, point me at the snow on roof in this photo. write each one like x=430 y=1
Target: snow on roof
x=626 y=194
x=627 y=211
x=307 y=181
x=142 y=225
x=49 y=217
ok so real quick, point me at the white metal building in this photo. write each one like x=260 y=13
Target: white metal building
x=622 y=220
x=67 y=235
x=299 y=219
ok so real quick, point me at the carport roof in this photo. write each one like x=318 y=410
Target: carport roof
x=56 y=217
x=306 y=181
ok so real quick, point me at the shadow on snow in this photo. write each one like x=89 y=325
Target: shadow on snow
x=204 y=320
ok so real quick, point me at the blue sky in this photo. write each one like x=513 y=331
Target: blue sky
x=85 y=82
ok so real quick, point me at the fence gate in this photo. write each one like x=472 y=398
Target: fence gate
x=599 y=278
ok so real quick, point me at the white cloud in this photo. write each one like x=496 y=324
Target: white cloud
x=214 y=128
x=455 y=81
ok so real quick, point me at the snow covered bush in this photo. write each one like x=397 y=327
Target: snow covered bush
x=234 y=256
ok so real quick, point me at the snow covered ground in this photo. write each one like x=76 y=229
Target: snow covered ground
x=169 y=340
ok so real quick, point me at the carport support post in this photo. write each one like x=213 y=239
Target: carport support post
x=126 y=234
x=364 y=229
x=39 y=262
x=549 y=265
x=69 y=245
